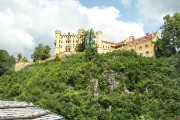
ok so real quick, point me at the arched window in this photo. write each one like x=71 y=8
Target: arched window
x=146 y=46
x=140 y=48
x=68 y=47
x=147 y=53
x=68 y=41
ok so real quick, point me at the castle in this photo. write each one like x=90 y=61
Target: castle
x=143 y=46
x=66 y=44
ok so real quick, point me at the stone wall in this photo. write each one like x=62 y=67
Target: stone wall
x=21 y=65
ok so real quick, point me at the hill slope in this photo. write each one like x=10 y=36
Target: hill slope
x=116 y=85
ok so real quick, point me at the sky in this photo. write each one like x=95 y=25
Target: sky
x=26 y=23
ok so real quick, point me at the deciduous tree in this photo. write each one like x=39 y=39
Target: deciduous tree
x=41 y=53
x=6 y=61
x=19 y=57
x=170 y=42
x=88 y=44
x=24 y=59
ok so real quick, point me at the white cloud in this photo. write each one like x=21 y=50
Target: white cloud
x=107 y=20
x=125 y=2
x=14 y=39
x=27 y=23
x=156 y=9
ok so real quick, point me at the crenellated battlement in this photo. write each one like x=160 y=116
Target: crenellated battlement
x=143 y=46
x=67 y=42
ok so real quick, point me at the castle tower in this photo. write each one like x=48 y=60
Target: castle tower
x=80 y=32
x=155 y=36
x=57 y=41
x=99 y=41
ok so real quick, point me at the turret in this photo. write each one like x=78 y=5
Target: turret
x=155 y=36
x=57 y=33
x=57 y=39
x=131 y=38
x=99 y=41
x=80 y=32
x=98 y=37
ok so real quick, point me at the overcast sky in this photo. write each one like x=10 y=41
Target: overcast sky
x=26 y=23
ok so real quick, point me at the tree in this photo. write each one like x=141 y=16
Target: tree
x=41 y=53
x=170 y=42
x=88 y=44
x=87 y=38
x=6 y=61
x=19 y=57
x=24 y=59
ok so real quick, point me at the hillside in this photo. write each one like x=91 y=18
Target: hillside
x=116 y=85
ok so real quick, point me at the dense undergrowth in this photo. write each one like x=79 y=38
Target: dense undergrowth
x=146 y=88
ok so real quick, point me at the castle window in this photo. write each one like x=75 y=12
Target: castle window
x=68 y=47
x=140 y=48
x=146 y=46
x=147 y=53
x=67 y=41
x=140 y=54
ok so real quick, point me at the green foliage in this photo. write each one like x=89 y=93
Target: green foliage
x=24 y=59
x=6 y=61
x=19 y=57
x=170 y=40
x=148 y=88
x=41 y=53
x=88 y=44
x=57 y=58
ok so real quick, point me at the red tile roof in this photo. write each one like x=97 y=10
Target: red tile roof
x=134 y=41
x=107 y=42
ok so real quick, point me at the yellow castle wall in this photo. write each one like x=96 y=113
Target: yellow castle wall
x=67 y=43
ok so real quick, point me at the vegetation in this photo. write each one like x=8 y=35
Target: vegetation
x=112 y=86
x=41 y=53
x=6 y=61
x=21 y=59
x=169 y=44
x=88 y=44
x=129 y=86
x=24 y=59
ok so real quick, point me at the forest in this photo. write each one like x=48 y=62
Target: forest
x=144 y=88
x=118 y=85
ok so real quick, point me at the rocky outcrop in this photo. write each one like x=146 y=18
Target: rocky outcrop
x=12 y=110
x=21 y=65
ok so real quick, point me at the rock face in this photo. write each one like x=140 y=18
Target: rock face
x=12 y=110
